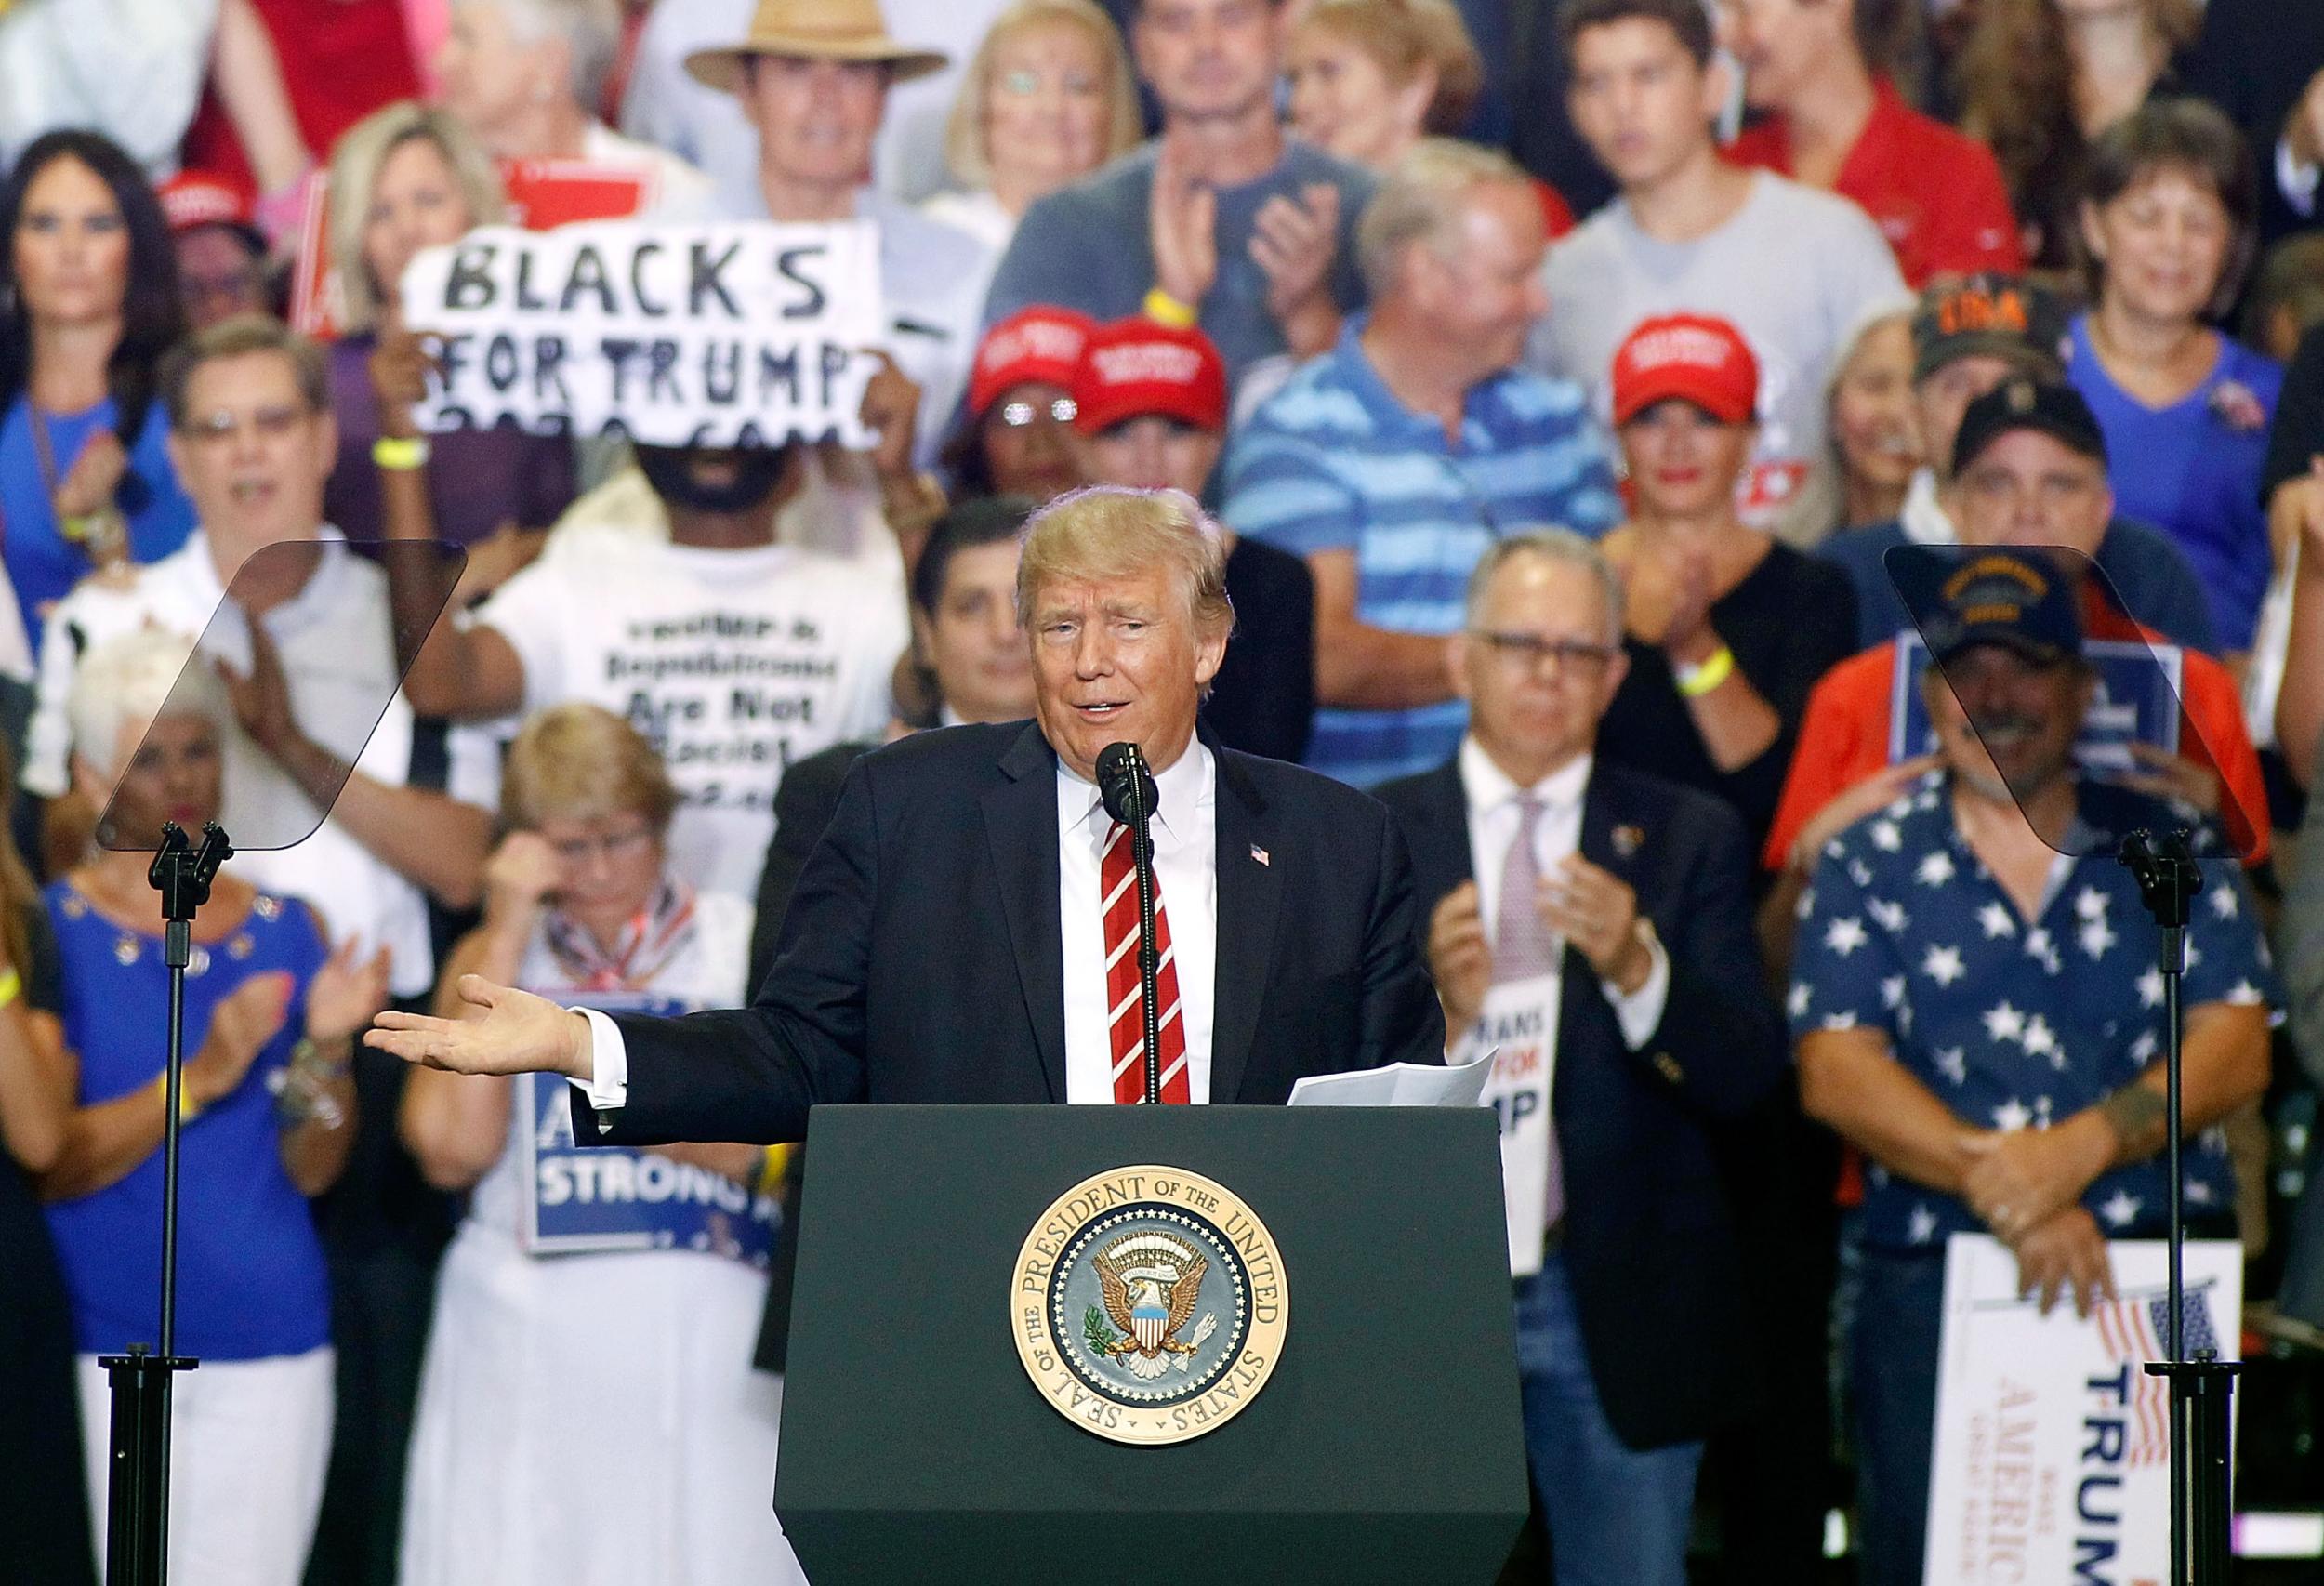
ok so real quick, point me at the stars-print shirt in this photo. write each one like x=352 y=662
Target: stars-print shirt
x=2013 y=1024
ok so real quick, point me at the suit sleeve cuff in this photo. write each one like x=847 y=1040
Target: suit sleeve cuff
x=607 y=1089
x=1639 y=1013
x=2297 y=182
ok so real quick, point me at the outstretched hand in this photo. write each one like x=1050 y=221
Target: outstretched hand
x=505 y=1031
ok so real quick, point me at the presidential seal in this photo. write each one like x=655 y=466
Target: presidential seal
x=1149 y=1305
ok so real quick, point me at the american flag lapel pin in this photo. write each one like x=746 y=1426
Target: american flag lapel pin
x=1626 y=839
x=1259 y=853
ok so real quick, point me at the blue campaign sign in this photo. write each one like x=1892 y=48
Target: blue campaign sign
x=595 y=1199
x=2137 y=702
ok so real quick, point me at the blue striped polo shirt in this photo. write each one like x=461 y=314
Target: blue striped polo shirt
x=1334 y=462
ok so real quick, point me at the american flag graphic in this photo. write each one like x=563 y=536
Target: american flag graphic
x=2134 y=1330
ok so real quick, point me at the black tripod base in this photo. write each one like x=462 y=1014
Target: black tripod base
x=137 y=1478
x=2201 y=1392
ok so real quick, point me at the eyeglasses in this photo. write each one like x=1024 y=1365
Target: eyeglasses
x=1017 y=415
x=1526 y=651
x=271 y=423
x=612 y=845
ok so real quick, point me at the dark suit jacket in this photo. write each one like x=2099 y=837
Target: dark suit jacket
x=920 y=958
x=1649 y=1234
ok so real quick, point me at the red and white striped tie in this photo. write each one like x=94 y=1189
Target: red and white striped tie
x=1117 y=904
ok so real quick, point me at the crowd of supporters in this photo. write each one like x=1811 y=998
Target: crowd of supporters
x=1577 y=357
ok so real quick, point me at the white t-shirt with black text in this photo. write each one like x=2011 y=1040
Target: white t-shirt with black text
x=735 y=663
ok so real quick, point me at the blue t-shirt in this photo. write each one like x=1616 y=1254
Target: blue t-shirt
x=2193 y=470
x=1334 y=462
x=2158 y=587
x=2011 y=1023
x=41 y=563
x=251 y=1281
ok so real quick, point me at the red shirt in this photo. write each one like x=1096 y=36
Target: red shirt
x=1935 y=193
x=341 y=60
x=1557 y=214
x=1844 y=737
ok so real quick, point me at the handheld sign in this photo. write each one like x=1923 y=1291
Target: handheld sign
x=2052 y=1450
x=2137 y=702
x=593 y=1199
x=541 y=193
x=746 y=334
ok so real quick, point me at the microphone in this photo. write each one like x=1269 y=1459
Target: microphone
x=1127 y=786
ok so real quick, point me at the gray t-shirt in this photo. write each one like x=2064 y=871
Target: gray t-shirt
x=1793 y=269
x=1088 y=247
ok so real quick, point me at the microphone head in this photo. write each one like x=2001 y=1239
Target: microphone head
x=1123 y=780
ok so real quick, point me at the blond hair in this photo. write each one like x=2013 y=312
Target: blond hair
x=1107 y=531
x=965 y=153
x=1420 y=203
x=356 y=162
x=1403 y=37
x=582 y=763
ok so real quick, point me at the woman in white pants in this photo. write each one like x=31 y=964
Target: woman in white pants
x=589 y=1415
x=266 y=1106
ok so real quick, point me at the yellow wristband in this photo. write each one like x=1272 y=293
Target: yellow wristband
x=399 y=454
x=1165 y=309
x=11 y=987
x=1696 y=682
x=188 y=1108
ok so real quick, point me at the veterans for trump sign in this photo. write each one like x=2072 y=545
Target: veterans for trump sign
x=745 y=333
x=2052 y=1458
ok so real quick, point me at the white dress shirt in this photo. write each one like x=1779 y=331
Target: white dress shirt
x=1493 y=823
x=1186 y=873
x=1186 y=876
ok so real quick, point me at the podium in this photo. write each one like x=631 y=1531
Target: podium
x=1385 y=1446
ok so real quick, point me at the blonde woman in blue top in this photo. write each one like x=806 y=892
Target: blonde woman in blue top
x=267 y=1109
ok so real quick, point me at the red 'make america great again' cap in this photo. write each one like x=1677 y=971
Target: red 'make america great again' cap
x=1694 y=357
x=1135 y=368
x=1039 y=343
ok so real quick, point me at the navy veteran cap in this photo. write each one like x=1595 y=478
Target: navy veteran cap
x=1960 y=598
x=2052 y=407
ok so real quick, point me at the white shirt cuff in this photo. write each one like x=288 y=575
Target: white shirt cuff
x=2297 y=182
x=1639 y=1013
x=607 y=1090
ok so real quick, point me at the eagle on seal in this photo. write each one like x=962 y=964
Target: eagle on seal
x=1150 y=1293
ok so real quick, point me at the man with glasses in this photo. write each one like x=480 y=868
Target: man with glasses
x=1394 y=460
x=252 y=440
x=1592 y=923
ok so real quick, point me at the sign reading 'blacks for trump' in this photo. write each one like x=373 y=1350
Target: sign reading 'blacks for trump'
x=716 y=336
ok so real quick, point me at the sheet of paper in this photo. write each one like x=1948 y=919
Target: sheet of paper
x=1398 y=1085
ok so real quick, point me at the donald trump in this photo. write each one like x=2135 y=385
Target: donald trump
x=961 y=932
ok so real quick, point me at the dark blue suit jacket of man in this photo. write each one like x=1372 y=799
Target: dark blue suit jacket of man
x=921 y=957
x=1649 y=1238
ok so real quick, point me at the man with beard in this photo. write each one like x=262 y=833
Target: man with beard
x=736 y=653
x=1982 y=1017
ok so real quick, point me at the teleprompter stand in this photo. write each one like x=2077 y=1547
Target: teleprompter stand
x=2201 y=1389
x=378 y=618
x=137 y=1526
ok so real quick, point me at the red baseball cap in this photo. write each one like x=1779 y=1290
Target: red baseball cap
x=1702 y=360
x=194 y=199
x=1038 y=343
x=1135 y=368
